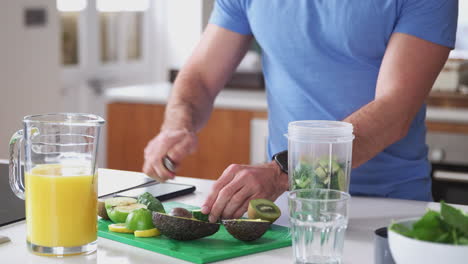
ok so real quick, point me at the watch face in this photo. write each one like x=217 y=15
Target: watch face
x=282 y=160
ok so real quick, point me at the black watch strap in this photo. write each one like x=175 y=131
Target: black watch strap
x=281 y=158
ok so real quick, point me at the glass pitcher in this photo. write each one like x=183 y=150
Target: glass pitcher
x=60 y=181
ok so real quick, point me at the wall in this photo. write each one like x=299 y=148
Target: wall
x=29 y=66
x=206 y=11
x=185 y=25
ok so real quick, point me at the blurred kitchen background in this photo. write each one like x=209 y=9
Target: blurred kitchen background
x=117 y=59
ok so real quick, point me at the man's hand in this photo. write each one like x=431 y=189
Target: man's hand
x=175 y=144
x=241 y=183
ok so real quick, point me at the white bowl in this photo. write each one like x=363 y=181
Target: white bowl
x=407 y=250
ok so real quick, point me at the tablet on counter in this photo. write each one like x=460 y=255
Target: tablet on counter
x=162 y=191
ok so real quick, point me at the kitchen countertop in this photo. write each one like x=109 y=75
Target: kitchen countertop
x=158 y=93
x=366 y=215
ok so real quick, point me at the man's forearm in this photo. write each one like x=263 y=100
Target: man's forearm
x=408 y=71
x=376 y=126
x=189 y=105
x=208 y=69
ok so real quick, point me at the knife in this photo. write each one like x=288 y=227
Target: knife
x=169 y=164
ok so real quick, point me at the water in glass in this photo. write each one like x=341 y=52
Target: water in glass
x=318 y=239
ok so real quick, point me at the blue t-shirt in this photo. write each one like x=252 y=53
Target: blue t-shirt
x=321 y=59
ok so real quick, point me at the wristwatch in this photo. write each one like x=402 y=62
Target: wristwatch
x=281 y=158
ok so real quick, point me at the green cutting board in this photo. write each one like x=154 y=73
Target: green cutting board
x=217 y=247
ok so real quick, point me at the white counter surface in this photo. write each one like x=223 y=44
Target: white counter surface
x=366 y=215
x=246 y=100
x=159 y=93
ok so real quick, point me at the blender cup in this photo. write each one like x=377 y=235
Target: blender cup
x=319 y=154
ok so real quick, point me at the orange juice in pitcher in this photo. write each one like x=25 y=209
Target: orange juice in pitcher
x=61 y=206
x=60 y=187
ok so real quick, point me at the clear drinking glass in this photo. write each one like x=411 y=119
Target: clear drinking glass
x=319 y=154
x=319 y=218
x=60 y=181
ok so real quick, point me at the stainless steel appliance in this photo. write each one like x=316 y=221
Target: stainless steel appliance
x=11 y=207
x=448 y=153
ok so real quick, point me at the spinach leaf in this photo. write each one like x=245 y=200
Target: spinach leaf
x=463 y=241
x=444 y=238
x=450 y=226
x=401 y=229
x=429 y=227
x=454 y=217
x=303 y=176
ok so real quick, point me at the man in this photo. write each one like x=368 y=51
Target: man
x=368 y=62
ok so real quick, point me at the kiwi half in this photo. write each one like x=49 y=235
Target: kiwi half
x=263 y=209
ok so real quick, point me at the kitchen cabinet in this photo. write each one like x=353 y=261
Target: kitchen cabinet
x=223 y=141
x=452 y=111
x=445 y=127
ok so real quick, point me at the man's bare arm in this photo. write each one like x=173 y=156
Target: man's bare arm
x=213 y=61
x=203 y=76
x=408 y=71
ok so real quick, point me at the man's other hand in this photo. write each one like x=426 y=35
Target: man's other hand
x=239 y=184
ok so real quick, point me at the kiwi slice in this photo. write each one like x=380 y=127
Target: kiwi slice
x=263 y=209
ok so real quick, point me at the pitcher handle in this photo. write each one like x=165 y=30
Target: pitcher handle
x=16 y=179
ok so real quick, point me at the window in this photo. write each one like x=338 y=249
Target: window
x=105 y=43
x=119 y=25
x=69 y=17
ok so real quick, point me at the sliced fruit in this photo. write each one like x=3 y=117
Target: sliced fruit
x=263 y=209
x=246 y=229
x=151 y=202
x=139 y=219
x=323 y=162
x=119 y=228
x=102 y=212
x=341 y=181
x=335 y=166
x=197 y=214
x=321 y=172
x=181 y=212
x=118 y=201
x=181 y=228
x=147 y=233
x=118 y=208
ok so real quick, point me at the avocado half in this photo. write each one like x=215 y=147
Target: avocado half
x=246 y=229
x=182 y=228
